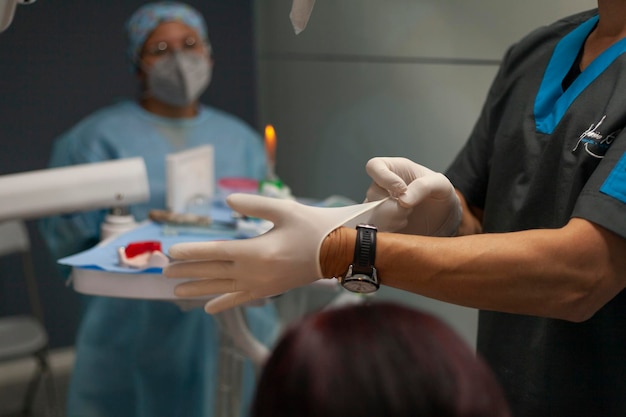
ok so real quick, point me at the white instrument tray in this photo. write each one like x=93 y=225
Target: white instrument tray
x=97 y=271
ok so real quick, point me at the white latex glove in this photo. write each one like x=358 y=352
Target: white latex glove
x=285 y=257
x=426 y=203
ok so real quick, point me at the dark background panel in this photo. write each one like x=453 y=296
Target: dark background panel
x=59 y=61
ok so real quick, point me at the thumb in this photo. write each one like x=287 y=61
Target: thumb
x=435 y=186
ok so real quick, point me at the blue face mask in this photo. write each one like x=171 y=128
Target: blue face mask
x=179 y=78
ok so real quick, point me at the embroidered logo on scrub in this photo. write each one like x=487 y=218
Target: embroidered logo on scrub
x=594 y=142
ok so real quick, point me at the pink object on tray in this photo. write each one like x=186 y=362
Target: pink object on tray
x=237 y=185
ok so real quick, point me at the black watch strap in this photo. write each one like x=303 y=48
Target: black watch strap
x=364 y=249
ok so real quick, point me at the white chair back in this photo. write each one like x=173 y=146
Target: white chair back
x=13 y=237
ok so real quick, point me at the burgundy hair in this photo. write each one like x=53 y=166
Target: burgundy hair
x=378 y=359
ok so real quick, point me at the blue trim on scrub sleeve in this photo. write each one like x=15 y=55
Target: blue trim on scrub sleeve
x=615 y=184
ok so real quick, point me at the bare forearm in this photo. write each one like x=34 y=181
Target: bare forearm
x=511 y=272
x=553 y=273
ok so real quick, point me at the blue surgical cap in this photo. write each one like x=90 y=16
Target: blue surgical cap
x=149 y=16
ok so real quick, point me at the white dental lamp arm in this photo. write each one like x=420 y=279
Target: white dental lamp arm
x=74 y=188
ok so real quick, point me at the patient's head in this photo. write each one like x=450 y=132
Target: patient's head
x=378 y=359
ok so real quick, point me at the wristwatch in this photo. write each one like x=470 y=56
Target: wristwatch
x=361 y=276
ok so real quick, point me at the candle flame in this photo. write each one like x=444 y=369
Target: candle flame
x=270 y=143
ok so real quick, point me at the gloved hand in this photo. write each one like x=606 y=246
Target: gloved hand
x=426 y=203
x=285 y=257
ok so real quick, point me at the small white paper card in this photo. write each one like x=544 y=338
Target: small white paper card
x=190 y=173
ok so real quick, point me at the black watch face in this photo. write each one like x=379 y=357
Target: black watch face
x=360 y=283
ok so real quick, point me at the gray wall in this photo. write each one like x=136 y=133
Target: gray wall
x=59 y=61
x=372 y=78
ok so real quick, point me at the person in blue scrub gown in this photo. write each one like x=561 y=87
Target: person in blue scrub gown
x=141 y=358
